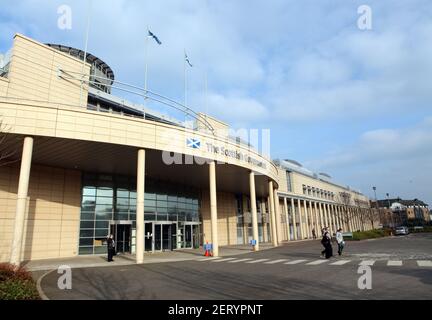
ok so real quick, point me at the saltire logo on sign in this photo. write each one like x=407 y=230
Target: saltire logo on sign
x=193 y=143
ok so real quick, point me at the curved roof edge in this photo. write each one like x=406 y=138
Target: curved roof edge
x=92 y=59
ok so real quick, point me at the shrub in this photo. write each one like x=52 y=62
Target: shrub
x=371 y=234
x=16 y=283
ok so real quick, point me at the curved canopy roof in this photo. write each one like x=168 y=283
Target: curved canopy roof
x=77 y=53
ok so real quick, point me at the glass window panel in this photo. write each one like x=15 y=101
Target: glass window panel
x=122 y=193
x=87 y=215
x=149 y=217
x=86 y=241
x=181 y=216
x=150 y=203
x=105 y=192
x=172 y=198
x=181 y=199
x=149 y=209
x=87 y=224
x=102 y=224
x=86 y=233
x=122 y=216
x=172 y=216
x=122 y=202
x=161 y=204
x=100 y=249
x=104 y=201
x=162 y=210
x=172 y=205
x=89 y=191
x=163 y=197
x=101 y=233
x=162 y=217
x=132 y=202
x=86 y=250
x=149 y=196
x=132 y=194
x=181 y=205
x=103 y=212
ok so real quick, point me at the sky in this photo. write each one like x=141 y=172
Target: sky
x=352 y=102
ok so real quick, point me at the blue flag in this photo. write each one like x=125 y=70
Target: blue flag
x=187 y=60
x=154 y=37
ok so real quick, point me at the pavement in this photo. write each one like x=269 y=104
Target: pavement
x=401 y=268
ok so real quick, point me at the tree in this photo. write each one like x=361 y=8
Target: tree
x=8 y=143
x=345 y=199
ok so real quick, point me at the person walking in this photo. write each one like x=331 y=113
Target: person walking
x=340 y=241
x=326 y=242
x=313 y=233
x=110 y=247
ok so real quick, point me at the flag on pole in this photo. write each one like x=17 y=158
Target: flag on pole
x=150 y=34
x=187 y=60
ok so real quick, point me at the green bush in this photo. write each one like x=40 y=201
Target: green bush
x=16 y=283
x=370 y=234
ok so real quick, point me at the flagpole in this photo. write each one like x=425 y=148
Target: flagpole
x=85 y=51
x=146 y=64
x=185 y=79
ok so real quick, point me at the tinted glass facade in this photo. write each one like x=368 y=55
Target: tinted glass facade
x=108 y=198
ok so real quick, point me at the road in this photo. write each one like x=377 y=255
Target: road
x=401 y=269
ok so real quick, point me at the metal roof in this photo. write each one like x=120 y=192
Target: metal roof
x=77 y=53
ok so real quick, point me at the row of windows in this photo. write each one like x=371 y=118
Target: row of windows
x=318 y=193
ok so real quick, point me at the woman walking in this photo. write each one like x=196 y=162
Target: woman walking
x=340 y=241
x=326 y=242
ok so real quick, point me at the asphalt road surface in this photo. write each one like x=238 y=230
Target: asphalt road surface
x=401 y=268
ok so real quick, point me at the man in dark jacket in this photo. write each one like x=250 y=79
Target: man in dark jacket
x=326 y=242
x=110 y=247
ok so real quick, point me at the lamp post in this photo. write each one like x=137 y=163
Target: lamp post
x=391 y=212
x=376 y=203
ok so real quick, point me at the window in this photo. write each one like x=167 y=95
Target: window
x=289 y=181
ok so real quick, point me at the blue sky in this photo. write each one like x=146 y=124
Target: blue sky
x=353 y=103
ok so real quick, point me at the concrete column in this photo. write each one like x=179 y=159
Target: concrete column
x=140 y=206
x=311 y=218
x=273 y=215
x=21 y=204
x=329 y=218
x=293 y=210
x=302 y=235
x=317 y=223
x=264 y=212
x=213 y=208
x=287 y=219
x=278 y=217
x=306 y=211
x=351 y=222
x=326 y=221
x=339 y=219
x=254 y=210
x=335 y=217
x=322 y=222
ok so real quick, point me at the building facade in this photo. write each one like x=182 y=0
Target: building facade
x=399 y=212
x=83 y=163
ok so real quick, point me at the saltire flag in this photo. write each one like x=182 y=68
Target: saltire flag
x=193 y=143
x=150 y=34
x=187 y=60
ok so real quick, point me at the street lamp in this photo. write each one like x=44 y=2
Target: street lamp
x=391 y=212
x=376 y=203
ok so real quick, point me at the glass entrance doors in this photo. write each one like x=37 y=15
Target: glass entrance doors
x=165 y=236
x=122 y=237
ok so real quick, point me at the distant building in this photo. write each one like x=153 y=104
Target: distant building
x=394 y=212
